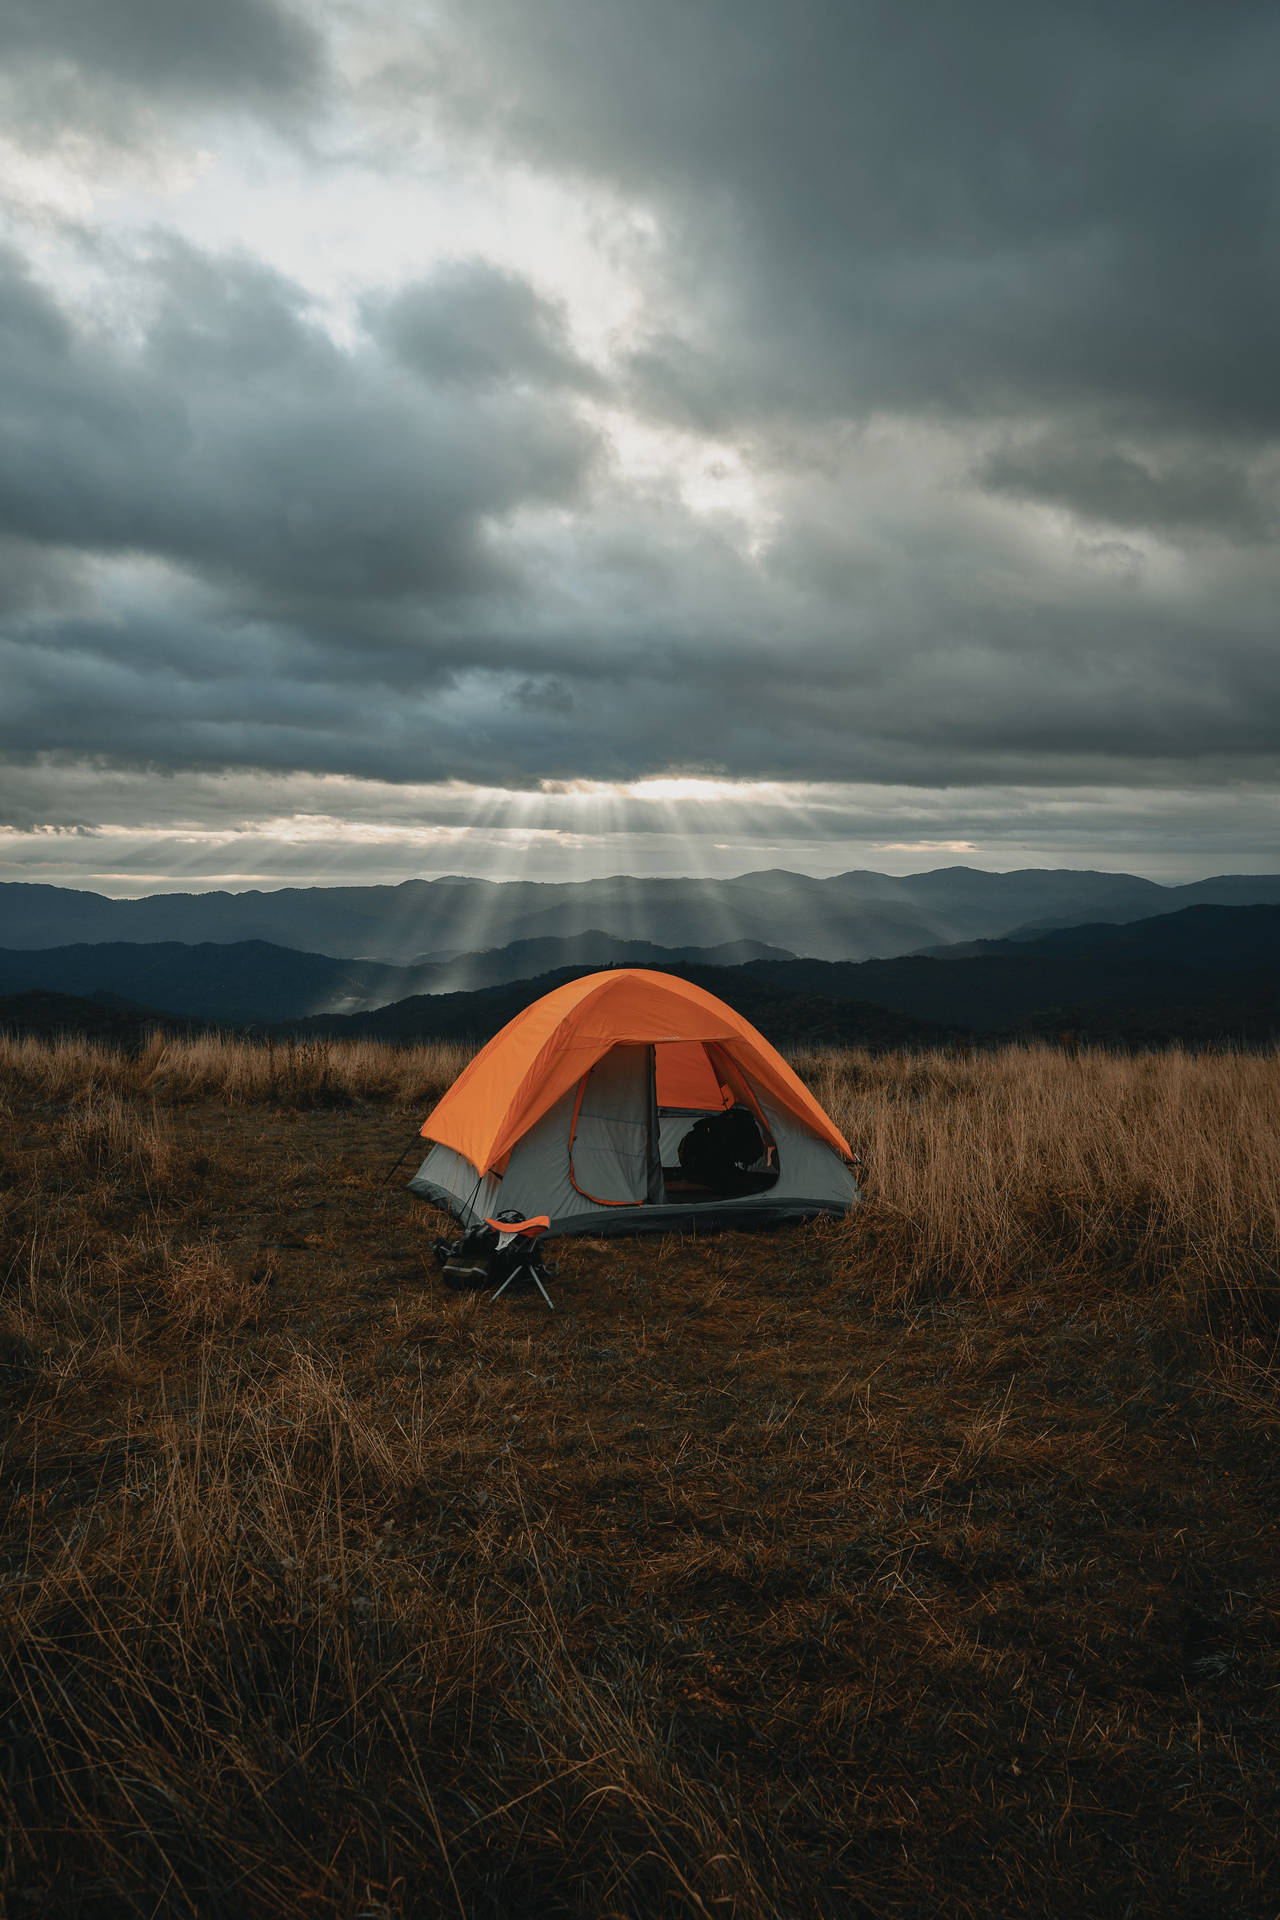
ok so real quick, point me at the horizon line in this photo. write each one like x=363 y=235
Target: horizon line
x=183 y=887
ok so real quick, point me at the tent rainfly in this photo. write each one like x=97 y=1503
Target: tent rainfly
x=599 y=1106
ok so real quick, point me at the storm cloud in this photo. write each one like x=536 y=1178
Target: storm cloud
x=938 y=209
x=886 y=396
x=114 y=67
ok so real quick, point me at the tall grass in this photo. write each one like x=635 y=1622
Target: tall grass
x=297 y=1074
x=998 y=1169
x=980 y=1171
x=871 y=1568
x=232 y=1683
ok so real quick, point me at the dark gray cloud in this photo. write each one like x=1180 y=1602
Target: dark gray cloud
x=110 y=65
x=1100 y=691
x=476 y=325
x=239 y=442
x=984 y=298
x=1177 y=491
x=985 y=211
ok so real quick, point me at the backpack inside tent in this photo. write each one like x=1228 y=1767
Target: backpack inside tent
x=632 y=1101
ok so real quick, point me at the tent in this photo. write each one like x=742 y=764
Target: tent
x=579 y=1107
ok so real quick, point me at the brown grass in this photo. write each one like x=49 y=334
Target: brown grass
x=924 y=1563
x=298 y=1074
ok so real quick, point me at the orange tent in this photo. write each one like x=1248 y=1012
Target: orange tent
x=632 y=1102
x=548 y=1049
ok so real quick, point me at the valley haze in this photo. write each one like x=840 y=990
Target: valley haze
x=871 y=960
x=851 y=916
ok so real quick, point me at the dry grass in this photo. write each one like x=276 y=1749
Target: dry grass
x=988 y=1171
x=298 y=1074
x=924 y=1563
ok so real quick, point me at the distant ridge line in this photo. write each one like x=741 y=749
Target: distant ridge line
x=1204 y=975
x=853 y=916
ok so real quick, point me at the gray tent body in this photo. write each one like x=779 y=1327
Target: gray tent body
x=603 y=1173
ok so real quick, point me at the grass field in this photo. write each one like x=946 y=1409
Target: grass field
x=924 y=1563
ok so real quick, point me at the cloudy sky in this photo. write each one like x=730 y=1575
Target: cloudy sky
x=637 y=435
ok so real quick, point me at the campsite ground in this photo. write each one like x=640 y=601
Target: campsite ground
x=921 y=1564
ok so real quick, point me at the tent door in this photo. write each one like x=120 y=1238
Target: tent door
x=613 y=1136
x=700 y=1090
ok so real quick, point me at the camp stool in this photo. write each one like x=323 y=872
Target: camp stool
x=526 y=1266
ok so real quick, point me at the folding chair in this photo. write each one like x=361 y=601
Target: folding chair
x=527 y=1261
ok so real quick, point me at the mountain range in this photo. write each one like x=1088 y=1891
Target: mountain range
x=1103 y=955
x=1208 y=974
x=1217 y=962
x=254 y=981
x=848 y=917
